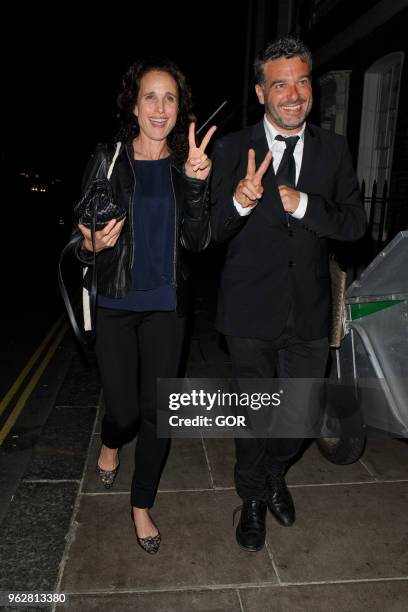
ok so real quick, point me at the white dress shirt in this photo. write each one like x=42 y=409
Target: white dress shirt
x=277 y=147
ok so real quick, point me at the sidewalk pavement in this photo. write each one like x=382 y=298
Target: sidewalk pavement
x=348 y=550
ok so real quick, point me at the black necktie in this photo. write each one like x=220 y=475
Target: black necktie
x=286 y=173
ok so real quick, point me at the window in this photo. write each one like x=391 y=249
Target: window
x=333 y=101
x=378 y=120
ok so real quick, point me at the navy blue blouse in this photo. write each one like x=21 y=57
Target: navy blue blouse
x=153 y=230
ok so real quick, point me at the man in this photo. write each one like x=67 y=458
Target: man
x=280 y=189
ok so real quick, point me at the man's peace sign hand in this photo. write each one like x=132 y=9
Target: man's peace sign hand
x=198 y=165
x=249 y=189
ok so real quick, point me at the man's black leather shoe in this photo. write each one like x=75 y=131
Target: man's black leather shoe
x=280 y=501
x=250 y=532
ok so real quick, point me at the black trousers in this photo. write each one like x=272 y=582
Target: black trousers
x=288 y=356
x=133 y=349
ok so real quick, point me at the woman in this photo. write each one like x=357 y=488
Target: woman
x=160 y=176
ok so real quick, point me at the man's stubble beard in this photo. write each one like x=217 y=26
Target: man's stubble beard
x=280 y=123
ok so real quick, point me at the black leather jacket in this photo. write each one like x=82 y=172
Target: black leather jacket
x=192 y=228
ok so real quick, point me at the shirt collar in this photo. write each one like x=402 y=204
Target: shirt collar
x=271 y=132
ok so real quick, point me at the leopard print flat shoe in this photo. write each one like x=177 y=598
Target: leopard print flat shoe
x=107 y=476
x=150 y=544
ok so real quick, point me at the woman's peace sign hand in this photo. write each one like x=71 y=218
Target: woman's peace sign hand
x=198 y=165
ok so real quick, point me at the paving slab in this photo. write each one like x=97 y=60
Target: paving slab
x=312 y=467
x=168 y=601
x=198 y=547
x=221 y=459
x=186 y=467
x=381 y=596
x=344 y=532
x=387 y=459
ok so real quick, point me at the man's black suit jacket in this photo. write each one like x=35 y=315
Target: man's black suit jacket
x=268 y=265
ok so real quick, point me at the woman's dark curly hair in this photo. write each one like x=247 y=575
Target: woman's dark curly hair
x=127 y=98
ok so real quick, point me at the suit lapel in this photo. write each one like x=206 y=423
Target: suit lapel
x=309 y=160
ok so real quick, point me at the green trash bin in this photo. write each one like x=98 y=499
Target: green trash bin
x=373 y=357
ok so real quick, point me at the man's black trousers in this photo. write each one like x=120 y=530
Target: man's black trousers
x=288 y=356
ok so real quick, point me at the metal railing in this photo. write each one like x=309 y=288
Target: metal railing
x=384 y=214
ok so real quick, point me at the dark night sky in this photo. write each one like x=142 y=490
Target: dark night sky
x=62 y=71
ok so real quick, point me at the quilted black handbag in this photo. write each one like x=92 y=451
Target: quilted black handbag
x=96 y=208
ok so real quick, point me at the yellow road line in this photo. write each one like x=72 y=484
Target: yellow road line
x=31 y=385
x=30 y=363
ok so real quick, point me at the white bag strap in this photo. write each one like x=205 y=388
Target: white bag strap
x=110 y=170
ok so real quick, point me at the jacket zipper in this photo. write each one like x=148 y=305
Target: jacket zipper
x=175 y=228
x=132 y=245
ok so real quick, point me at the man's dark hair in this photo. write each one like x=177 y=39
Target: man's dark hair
x=287 y=47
